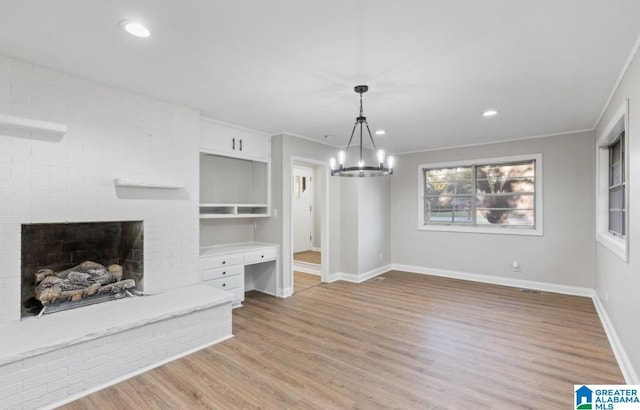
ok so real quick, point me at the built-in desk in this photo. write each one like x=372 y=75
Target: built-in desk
x=240 y=267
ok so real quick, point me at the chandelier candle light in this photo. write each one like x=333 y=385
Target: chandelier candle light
x=361 y=170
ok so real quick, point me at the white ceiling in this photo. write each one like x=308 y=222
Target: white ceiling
x=432 y=66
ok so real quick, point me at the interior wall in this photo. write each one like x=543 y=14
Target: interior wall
x=225 y=231
x=373 y=229
x=617 y=282
x=562 y=256
x=349 y=223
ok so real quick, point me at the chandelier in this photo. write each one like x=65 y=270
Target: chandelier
x=338 y=167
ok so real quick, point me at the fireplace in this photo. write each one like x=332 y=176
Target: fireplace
x=75 y=251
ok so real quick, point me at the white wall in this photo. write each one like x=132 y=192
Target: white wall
x=112 y=134
x=373 y=223
x=563 y=256
x=349 y=224
x=617 y=283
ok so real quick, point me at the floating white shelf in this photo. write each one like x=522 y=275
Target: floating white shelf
x=131 y=183
x=216 y=211
x=11 y=121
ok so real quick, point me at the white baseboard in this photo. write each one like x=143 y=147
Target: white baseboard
x=498 y=280
x=359 y=278
x=310 y=268
x=315 y=249
x=629 y=374
x=333 y=277
x=286 y=292
x=124 y=377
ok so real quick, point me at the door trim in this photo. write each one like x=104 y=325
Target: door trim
x=324 y=218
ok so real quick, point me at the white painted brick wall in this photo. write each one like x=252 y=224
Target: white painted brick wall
x=53 y=377
x=112 y=134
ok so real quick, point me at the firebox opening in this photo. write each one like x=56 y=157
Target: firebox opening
x=56 y=248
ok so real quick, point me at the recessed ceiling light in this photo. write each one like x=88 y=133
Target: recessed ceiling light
x=135 y=29
x=490 y=113
x=381 y=132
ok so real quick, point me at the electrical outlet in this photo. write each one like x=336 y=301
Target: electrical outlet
x=380 y=257
x=515 y=266
x=606 y=296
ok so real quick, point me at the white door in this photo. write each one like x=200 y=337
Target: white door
x=302 y=210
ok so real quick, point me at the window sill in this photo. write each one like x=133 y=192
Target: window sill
x=615 y=244
x=482 y=229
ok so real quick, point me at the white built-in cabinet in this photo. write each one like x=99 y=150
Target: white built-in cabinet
x=229 y=140
x=235 y=171
x=235 y=182
x=237 y=268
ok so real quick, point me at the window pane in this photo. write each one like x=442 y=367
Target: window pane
x=463 y=187
x=616 y=198
x=493 y=179
x=615 y=152
x=506 y=209
x=449 y=174
x=616 y=222
x=615 y=174
x=449 y=210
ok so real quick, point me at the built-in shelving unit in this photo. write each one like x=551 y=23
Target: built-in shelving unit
x=211 y=211
x=27 y=124
x=232 y=187
x=131 y=183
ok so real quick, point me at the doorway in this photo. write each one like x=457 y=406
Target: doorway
x=307 y=204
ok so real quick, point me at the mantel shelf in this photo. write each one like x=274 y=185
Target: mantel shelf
x=12 y=121
x=131 y=183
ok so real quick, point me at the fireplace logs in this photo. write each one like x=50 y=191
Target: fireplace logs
x=81 y=281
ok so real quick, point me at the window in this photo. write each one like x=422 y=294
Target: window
x=616 y=188
x=612 y=185
x=500 y=195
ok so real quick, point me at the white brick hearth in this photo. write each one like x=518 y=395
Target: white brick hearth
x=111 y=134
x=49 y=360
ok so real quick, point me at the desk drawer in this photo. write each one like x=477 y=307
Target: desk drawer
x=224 y=272
x=267 y=254
x=229 y=283
x=220 y=261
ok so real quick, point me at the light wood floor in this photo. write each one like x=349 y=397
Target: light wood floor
x=308 y=257
x=303 y=281
x=409 y=341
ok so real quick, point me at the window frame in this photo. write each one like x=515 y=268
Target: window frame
x=537 y=230
x=617 y=244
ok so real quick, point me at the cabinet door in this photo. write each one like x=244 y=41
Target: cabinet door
x=255 y=146
x=215 y=138
x=233 y=141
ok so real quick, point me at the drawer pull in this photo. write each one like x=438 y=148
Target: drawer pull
x=224 y=284
x=224 y=273
x=224 y=262
x=262 y=256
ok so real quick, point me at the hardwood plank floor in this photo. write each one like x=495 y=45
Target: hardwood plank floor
x=303 y=281
x=308 y=257
x=409 y=341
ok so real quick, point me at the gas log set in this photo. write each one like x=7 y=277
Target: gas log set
x=86 y=283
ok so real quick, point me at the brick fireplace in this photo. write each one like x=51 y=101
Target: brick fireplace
x=111 y=134
x=61 y=246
